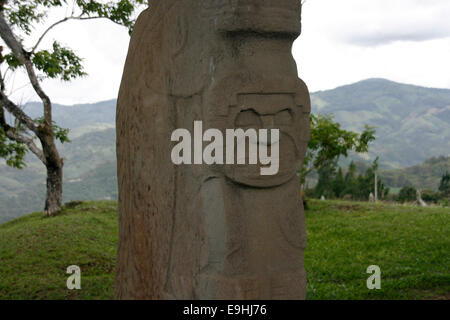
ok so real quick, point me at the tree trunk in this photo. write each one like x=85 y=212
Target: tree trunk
x=376 y=186
x=44 y=132
x=53 y=200
x=54 y=164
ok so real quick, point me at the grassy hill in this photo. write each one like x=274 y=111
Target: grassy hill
x=35 y=253
x=409 y=244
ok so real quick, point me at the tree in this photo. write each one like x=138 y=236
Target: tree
x=375 y=173
x=339 y=183
x=17 y=21
x=430 y=196
x=362 y=190
x=329 y=142
x=407 y=193
x=358 y=187
x=324 y=185
x=350 y=176
x=444 y=186
x=350 y=181
x=366 y=184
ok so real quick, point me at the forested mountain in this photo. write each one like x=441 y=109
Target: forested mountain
x=413 y=125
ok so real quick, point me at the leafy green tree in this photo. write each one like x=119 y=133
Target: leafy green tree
x=326 y=174
x=339 y=183
x=366 y=183
x=358 y=187
x=350 y=181
x=430 y=196
x=383 y=190
x=18 y=20
x=362 y=190
x=444 y=186
x=371 y=175
x=407 y=193
x=350 y=176
x=329 y=142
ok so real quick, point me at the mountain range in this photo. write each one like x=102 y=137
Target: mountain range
x=412 y=123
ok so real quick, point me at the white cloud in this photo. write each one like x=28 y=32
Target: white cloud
x=350 y=40
x=342 y=42
x=102 y=44
x=383 y=22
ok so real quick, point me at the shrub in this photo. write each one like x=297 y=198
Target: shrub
x=407 y=194
x=430 y=196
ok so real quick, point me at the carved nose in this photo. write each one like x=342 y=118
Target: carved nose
x=268 y=121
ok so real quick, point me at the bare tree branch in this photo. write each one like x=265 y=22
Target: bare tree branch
x=72 y=17
x=24 y=57
x=11 y=132
x=46 y=31
x=27 y=141
x=12 y=108
x=96 y=17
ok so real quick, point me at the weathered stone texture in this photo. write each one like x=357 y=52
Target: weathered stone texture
x=221 y=231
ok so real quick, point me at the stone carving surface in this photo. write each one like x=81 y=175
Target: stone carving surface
x=217 y=231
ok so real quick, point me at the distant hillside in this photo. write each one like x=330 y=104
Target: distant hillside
x=424 y=176
x=413 y=123
x=89 y=174
x=79 y=115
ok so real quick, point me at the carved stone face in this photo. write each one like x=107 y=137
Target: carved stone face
x=261 y=103
x=267 y=111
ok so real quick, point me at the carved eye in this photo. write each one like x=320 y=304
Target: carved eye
x=284 y=117
x=248 y=118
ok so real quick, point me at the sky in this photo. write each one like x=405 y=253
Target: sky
x=341 y=42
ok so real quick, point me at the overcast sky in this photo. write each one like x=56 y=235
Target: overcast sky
x=342 y=42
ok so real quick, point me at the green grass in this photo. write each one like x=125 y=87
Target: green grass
x=409 y=244
x=35 y=253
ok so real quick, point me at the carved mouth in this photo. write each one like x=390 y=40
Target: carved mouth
x=250 y=175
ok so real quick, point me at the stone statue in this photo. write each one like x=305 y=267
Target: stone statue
x=211 y=231
x=419 y=200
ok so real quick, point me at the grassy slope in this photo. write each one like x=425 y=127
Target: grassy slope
x=344 y=238
x=35 y=252
x=410 y=244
